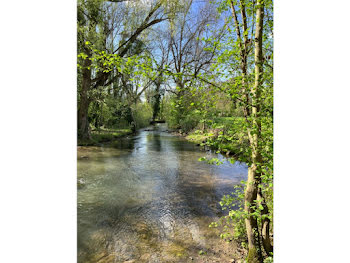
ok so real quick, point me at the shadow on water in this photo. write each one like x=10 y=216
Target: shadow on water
x=148 y=198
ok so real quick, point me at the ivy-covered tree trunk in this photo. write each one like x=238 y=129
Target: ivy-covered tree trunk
x=254 y=176
x=156 y=104
x=84 y=102
x=156 y=107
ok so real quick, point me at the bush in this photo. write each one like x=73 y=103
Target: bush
x=234 y=221
x=142 y=113
x=190 y=121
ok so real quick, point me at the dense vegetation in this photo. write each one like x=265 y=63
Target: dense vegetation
x=203 y=67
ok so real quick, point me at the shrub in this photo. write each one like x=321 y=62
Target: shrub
x=142 y=113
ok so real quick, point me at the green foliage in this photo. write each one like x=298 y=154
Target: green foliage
x=269 y=259
x=228 y=66
x=190 y=121
x=232 y=225
x=142 y=114
x=215 y=161
x=109 y=135
x=180 y=116
x=119 y=114
x=104 y=136
x=165 y=109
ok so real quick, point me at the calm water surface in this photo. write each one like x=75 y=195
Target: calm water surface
x=148 y=199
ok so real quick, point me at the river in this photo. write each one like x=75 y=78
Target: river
x=147 y=198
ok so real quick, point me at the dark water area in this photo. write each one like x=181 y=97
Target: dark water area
x=147 y=198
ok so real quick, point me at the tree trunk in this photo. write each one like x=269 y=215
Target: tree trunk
x=179 y=96
x=254 y=253
x=254 y=176
x=156 y=104
x=265 y=222
x=243 y=52
x=133 y=122
x=83 y=107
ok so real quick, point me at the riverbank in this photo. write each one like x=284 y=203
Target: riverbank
x=101 y=136
x=225 y=135
x=210 y=139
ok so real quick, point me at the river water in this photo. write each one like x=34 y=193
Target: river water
x=147 y=198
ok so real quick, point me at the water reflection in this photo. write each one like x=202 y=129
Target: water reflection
x=147 y=198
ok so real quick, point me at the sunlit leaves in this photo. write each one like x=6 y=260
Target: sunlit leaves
x=215 y=161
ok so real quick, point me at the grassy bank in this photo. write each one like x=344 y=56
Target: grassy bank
x=210 y=139
x=104 y=136
x=223 y=134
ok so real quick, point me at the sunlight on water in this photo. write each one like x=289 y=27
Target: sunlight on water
x=148 y=199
